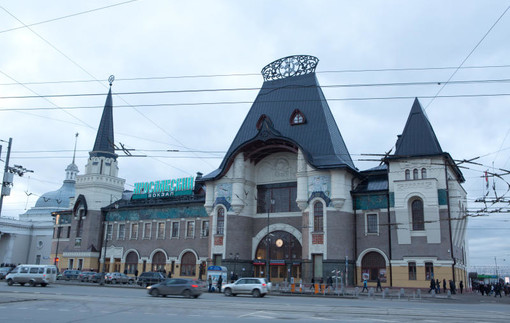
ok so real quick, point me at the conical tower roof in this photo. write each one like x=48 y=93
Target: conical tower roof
x=103 y=145
x=418 y=137
x=291 y=87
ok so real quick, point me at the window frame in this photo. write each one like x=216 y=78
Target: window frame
x=367 y=223
x=145 y=235
x=417 y=215
x=192 y=235
x=318 y=219
x=160 y=234
x=416 y=175
x=123 y=225
x=131 y=231
x=429 y=270
x=411 y=270
x=176 y=225
x=423 y=173
x=207 y=228
x=220 y=214
x=109 y=231
x=407 y=175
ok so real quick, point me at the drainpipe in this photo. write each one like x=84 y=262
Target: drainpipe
x=449 y=217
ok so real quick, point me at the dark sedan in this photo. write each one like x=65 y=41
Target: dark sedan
x=176 y=286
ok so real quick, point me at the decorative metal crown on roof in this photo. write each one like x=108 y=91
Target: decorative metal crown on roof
x=290 y=66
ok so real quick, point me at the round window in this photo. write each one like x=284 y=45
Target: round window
x=40 y=244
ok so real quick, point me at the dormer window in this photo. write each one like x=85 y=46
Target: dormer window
x=297 y=117
x=261 y=120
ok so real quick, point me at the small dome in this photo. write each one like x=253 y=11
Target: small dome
x=59 y=198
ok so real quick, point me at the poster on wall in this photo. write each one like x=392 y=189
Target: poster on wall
x=382 y=275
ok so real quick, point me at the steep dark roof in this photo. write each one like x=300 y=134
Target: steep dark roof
x=319 y=137
x=103 y=145
x=418 y=137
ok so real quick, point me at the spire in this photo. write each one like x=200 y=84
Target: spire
x=72 y=169
x=104 y=139
x=418 y=137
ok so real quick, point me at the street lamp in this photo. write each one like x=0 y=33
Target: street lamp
x=268 y=241
x=57 y=223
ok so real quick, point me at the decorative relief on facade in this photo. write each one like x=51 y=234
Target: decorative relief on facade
x=317 y=238
x=320 y=183
x=282 y=169
x=218 y=240
x=414 y=185
x=223 y=194
x=277 y=169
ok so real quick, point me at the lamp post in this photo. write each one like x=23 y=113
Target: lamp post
x=268 y=241
x=57 y=222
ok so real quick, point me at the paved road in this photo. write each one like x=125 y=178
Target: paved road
x=73 y=303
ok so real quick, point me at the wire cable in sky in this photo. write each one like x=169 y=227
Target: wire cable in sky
x=469 y=55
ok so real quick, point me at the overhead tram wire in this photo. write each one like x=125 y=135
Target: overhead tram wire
x=67 y=16
x=100 y=82
x=375 y=70
x=258 y=88
x=4 y=109
x=467 y=57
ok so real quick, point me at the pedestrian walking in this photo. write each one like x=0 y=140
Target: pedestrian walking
x=438 y=287
x=444 y=285
x=432 y=285
x=169 y=274
x=365 y=285
x=312 y=286
x=136 y=273
x=220 y=281
x=461 y=286
x=378 y=285
x=209 y=281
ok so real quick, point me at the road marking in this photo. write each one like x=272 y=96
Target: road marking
x=257 y=314
x=63 y=310
x=22 y=308
x=171 y=314
x=42 y=309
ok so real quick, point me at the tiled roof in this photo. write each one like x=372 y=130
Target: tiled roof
x=319 y=137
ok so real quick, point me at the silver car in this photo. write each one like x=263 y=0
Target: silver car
x=257 y=287
x=176 y=286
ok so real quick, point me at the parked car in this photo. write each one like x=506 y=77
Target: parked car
x=95 y=278
x=84 y=276
x=150 y=278
x=70 y=274
x=118 y=278
x=176 y=286
x=32 y=275
x=4 y=271
x=257 y=287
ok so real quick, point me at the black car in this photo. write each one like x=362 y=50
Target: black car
x=71 y=274
x=96 y=278
x=176 y=286
x=150 y=278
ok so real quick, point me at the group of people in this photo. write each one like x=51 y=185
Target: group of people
x=493 y=289
x=219 y=282
x=435 y=285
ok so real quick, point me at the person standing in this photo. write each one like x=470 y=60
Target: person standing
x=432 y=285
x=461 y=286
x=136 y=273
x=209 y=281
x=220 y=281
x=444 y=285
x=312 y=287
x=438 y=286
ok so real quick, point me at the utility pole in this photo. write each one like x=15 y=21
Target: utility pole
x=7 y=178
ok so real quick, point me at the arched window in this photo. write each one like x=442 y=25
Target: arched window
x=423 y=173
x=415 y=174
x=408 y=175
x=131 y=262
x=373 y=266
x=417 y=215
x=158 y=261
x=188 y=264
x=318 y=217
x=220 y=220
x=297 y=117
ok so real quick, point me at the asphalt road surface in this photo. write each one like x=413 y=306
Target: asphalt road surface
x=75 y=303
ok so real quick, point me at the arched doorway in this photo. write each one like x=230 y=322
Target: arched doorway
x=158 y=261
x=373 y=265
x=188 y=264
x=131 y=262
x=284 y=257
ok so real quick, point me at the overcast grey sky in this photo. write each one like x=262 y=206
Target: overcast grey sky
x=148 y=44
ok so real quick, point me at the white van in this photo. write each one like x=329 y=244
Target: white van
x=32 y=275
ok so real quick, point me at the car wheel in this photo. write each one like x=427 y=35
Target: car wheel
x=262 y=295
x=195 y=296
x=10 y=282
x=114 y=281
x=131 y=282
x=44 y=284
x=22 y=284
x=31 y=283
x=154 y=292
x=186 y=293
x=255 y=293
x=228 y=292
